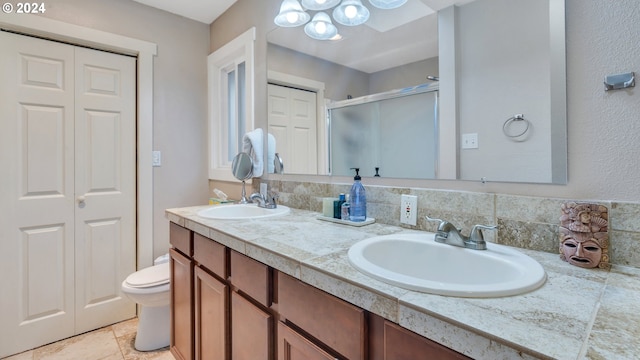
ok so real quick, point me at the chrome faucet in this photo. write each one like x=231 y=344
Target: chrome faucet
x=449 y=234
x=264 y=202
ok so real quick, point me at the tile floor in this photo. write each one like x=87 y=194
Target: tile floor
x=113 y=342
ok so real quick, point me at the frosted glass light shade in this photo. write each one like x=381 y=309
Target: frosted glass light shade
x=291 y=14
x=321 y=28
x=351 y=13
x=387 y=4
x=317 y=5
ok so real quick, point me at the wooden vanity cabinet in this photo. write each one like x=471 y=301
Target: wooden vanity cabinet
x=181 y=273
x=337 y=326
x=211 y=300
x=252 y=320
x=294 y=346
x=389 y=341
x=225 y=305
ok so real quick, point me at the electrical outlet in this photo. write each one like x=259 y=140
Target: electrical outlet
x=408 y=209
x=470 y=141
x=263 y=190
x=156 y=158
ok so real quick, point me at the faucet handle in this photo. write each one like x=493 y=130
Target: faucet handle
x=274 y=198
x=434 y=219
x=442 y=223
x=476 y=232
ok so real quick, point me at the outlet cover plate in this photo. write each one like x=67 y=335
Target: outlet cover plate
x=408 y=209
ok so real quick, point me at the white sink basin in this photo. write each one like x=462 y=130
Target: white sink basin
x=418 y=262
x=241 y=212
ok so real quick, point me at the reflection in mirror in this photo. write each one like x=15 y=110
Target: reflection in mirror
x=242 y=169
x=504 y=67
x=278 y=164
x=370 y=133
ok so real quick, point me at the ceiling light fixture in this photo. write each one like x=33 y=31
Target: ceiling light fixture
x=318 y=5
x=291 y=14
x=321 y=28
x=345 y=12
x=351 y=13
x=387 y=4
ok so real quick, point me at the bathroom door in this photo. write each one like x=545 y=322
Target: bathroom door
x=292 y=122
x=67 y=190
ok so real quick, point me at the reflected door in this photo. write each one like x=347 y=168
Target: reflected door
x=67 y=198
x=292 y=121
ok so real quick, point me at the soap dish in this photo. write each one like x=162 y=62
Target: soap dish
x=347 y=222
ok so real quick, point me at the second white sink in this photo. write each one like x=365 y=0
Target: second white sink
x=241 y=212
x=418 y=262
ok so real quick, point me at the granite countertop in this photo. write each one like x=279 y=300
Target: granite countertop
x=577 y=314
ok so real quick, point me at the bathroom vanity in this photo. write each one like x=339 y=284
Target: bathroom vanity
x=227 y=303
x=282 y=288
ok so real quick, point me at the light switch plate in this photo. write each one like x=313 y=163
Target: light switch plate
x=156 y=158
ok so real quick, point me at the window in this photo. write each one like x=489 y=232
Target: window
x=230 y=102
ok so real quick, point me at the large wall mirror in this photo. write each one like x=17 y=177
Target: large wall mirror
x=497 y=68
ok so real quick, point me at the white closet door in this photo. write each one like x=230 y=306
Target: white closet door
x=105 y=237
x=292 y=121
x=63 y=260
x=37 y=193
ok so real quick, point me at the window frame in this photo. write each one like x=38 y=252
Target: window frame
x=219 y=64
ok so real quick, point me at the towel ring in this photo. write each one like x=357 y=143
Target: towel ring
x=510 y=121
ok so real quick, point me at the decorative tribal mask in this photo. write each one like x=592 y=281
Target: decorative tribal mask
x=584 y=235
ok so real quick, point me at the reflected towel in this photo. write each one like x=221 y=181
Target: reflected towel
x=271 y=153
x=253 y=145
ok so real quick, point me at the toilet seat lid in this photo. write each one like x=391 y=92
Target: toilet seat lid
x=152 y=276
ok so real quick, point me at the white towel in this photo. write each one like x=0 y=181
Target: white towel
x=271 y=153
x=253 y=145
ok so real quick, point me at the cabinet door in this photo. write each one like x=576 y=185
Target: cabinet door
x=389 y=341
x=251 y=330
x=210 y=316
x=336 y=323
x=181 y=306
x=293 y=346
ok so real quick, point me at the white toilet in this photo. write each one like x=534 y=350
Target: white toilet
x=149 y=287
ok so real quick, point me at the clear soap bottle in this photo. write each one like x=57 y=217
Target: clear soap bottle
x=357 y=199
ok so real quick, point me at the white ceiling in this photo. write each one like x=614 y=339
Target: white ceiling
x=204 y=11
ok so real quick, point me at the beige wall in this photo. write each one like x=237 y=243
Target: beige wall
x=179 y=103
x=340 y=81
x=603 y=127
x=403 y=76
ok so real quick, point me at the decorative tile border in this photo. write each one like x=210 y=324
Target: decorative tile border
x=523 y=221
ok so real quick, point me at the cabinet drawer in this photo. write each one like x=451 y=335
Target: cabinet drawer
x=210 y=255
x=181 y=238
x=338 y=324
x=251 y=277
x=402 y=344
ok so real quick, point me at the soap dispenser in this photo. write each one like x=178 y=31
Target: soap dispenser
x=357 y=200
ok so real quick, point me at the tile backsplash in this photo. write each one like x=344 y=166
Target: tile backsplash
x=523 y=221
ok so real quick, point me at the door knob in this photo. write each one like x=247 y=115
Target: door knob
x=81 y=201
